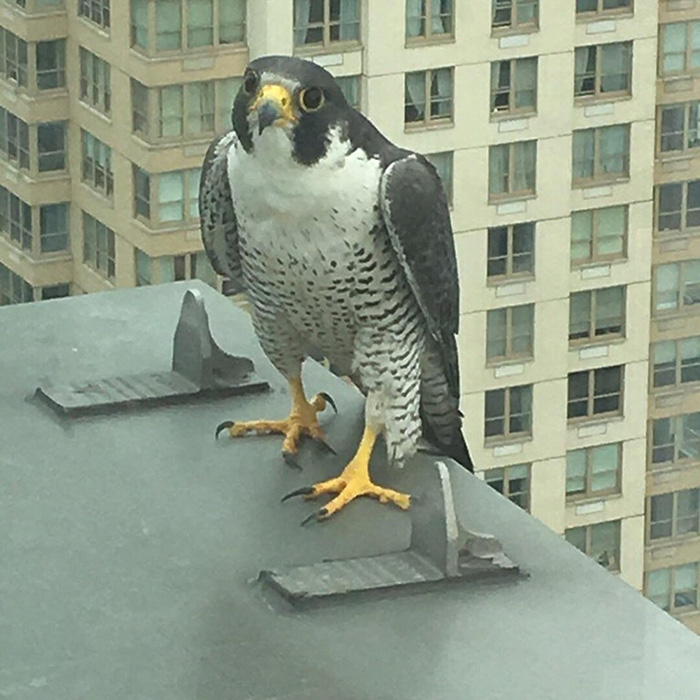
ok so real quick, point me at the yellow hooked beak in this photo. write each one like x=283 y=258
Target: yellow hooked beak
x=273 y=103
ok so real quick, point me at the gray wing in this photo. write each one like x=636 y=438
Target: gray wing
x=217 y=217
x=417 y=220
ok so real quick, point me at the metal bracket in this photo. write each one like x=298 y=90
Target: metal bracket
x=200 y=368
x=441 y=552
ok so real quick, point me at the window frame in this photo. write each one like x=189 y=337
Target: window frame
x=596 y=257
x=90 y=166
x=687 y=52
x=593 y=337
x=187 y=262
x=512 y=110
x=588 y=15
x=614 y=566
x=91 y=84
x=154 y=204
x=327 y=45
x=589 y=493
x=673 y=521
x=447 y=186
x=101 y=252
x=598 y=94
x=14 y=289
x=506 y=478
x=683 y=214
x=514 y=26
x=510 y=355
x=591 y=397
x=510 y=194
x=90 y=9
x=429 y=121
x=672 y=608
x=599 y=176
x=510 y=275
x=685 y=133
x=680 y=307
x=681 y=454
x=430 y=37
x=509 y=435
x=677 y=369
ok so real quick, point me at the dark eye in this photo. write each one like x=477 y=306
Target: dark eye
x=250 y=82
x=311 y=99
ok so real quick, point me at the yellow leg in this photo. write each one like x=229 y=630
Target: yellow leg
x=354 y=481
x=303 y=420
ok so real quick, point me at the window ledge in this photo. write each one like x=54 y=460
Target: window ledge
x=673 y=314
x=670 y=391
x=655 y=546
x=597 y=263
x=103 y=198
x=102 y=32
x=503 y=199
x=511 y=279
x=155 y=229
x=600 y=182
x=107 y=118
x=496 y=117
x=497 y=441
x=598 y=342
x=213 y=52
x=413 y=127
x=586 y=17
x=586 y=100
x=336 y=47
x=432 y=40
x=498 y=32
x=511 y=360
x=573 y=501
x=677 y=156
x=598 y=419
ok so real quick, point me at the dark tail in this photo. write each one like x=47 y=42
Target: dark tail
x=455 y=448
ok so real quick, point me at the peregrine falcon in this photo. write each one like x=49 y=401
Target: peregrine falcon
x=342 y=242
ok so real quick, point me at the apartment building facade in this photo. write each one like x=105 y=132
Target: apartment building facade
x=542 y=122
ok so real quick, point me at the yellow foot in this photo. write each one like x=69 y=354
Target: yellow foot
x=302 y=421
x=353 y=482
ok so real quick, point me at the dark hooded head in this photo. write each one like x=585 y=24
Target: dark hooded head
x=297 y=96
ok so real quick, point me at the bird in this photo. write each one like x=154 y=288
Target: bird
x=343 y=245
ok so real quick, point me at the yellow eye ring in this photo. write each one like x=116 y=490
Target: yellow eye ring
x=311 y=99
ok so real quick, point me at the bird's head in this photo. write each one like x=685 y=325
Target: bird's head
x=295 y=97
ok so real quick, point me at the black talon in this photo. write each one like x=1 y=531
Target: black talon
x=318 y=515
x=222 y=426
x=329 y=399
x=291 y=460
x=303 y=491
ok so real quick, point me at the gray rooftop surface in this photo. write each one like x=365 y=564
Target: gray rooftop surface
x=130 y=546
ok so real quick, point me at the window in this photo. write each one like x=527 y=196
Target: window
x=675 y=440
x=598 y=235
x=142 y=193
x=514 y=14
x=443 y=163
x=674 y=514
x=678 y=207
x=676 y=286
x=510 y=332
x=601 y=154
x=593 y=472
x=51 y=137
x=595 y=392
x=321 y=23
x=679 y=48
x=97 y=164
x=167 y=197
x=13 y=58
x=98 y=246
x=598 y=314
x=16 y=219
x=512 y=170
x=55 y=291
x=508 y=412
x=14 y=139
x=600 y=542
x=139 y=107
x=514 y=86
x=675 y=362
x=53 y=227
x=591 y=7
x=513 y=482
x=190 y=111
x=511 y=251
x=678 y=127
x=96 y=11
x=603 y=71
x=428 y=97
x=95 y=81
x=674 y=589
x=14 y=289
x=428 y=19
x=350 y=87
x=173 y=268
x=51 y=64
